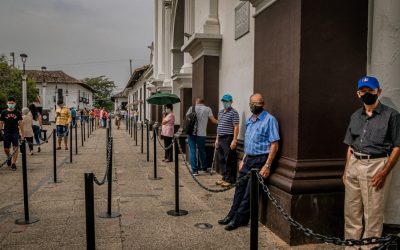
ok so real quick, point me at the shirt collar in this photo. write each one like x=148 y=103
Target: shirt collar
x=260 y=117
x=377 y=110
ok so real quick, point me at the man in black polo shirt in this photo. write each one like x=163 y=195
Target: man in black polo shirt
x=373 y=137
x=11 y=119
x=227 y=133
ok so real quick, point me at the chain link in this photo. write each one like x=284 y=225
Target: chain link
x=109 y=152
x=240 y=181
x=162 y=146
x=383 y=242
x=8 y=158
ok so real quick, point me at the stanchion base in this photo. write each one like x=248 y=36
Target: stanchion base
x=22 y=221
x=112 y=215
x=154 y=179
x=177 y=213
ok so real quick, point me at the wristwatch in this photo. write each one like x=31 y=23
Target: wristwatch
x=267 y=165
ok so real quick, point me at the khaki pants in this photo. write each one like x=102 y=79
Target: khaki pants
x=362 y=201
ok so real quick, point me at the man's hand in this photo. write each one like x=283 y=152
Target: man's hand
x=379 y=179
x=241 y=164
x=233 y=144
x=344 y=178
x=264 y=172
x=216 y=143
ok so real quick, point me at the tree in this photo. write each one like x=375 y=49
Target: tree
x=11 y=85
x=103 y=90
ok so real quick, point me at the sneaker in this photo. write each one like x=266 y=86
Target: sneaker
x=39 y=150
x=13 y=167
x=196 y=173
x=31 y=152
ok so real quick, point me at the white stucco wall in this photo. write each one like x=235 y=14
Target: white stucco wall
x=201 y=14
x=385 y=64
x=236 y=73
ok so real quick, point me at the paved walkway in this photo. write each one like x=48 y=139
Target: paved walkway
x=143 y=203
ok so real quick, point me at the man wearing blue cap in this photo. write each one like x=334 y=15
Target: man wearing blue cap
x=373 y=137
x=227 y=133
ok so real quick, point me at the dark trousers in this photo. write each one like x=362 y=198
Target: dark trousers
x=30 y=142
x=168 y=152
x=240 y=210
x=227 y=158
x=36 y=133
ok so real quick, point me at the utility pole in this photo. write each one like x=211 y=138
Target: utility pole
x=130 y=63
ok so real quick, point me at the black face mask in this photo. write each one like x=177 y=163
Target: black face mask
x=256 y=109
x=369 y=98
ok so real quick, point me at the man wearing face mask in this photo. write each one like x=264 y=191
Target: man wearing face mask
x=167 y=132
x=227 y=133
x=261 y=143
x=11 y=119
x=373 y=137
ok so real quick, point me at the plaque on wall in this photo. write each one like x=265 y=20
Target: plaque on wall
x=242 y=19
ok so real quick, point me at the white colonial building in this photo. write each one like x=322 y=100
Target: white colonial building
x=305 y=57
x=56 y=85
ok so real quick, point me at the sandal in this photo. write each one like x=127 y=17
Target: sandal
x=58 y=148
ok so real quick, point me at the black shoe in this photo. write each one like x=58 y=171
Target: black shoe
x=13 y=167
x=225 y=220
x=234 y=225
x=39 y=150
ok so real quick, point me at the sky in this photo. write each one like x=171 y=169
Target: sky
x=84 y=38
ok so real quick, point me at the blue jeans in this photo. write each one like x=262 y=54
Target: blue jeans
x=200 y=142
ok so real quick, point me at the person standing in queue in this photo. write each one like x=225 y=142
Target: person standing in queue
x=63 y=118
x=261 y=144
x=226 y=142
x=11 y=119
x=373 y=139
x=167 y=132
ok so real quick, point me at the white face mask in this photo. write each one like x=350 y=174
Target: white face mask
x=168 y=111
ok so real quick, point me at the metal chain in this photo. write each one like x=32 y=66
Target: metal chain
x=239 y=182
x=162 y=146
x=44 y=141
x=382 y=241
x=109 y=152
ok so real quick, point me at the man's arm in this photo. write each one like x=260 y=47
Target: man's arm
x=265 y=170
x=212 y=119
x=21 y=129
x=379 y=178
x=235 y=136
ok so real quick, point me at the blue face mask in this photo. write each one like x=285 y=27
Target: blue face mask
x=226 y=105
x=11 y=105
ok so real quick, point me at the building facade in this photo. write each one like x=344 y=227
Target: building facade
x=305 y=57
x=56 y=85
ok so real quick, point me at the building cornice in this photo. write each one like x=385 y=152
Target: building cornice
x=201 y=44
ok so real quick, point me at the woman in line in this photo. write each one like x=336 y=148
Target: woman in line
x=27 y=128
x=36 y=123
x=167 y=131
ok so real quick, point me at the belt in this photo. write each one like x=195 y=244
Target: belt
x=255 y=156
x=362 y=156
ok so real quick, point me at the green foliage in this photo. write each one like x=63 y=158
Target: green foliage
x=11 y=85
x=104 y=88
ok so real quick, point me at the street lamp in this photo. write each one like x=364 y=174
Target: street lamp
x=44 y=85
x=24 y=92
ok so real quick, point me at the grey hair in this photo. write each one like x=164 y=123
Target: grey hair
x=257 y=94
x=25 y=111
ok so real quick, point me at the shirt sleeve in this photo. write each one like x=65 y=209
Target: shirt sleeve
x=210 y=113
x=19 y=116
x=348 y=139
x=2 y=117
x=395 y=130
x=235 y=118
x=189 y=111
x=273 y=130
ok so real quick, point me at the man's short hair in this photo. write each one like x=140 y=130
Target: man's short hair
x=199 y=100
x=11 y=99
x=59 y=102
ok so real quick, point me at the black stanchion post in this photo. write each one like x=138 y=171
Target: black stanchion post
x=89 y=207
x=148 y=141
x=54 y=156
x=88 y=127
x=76 y=138
x=141 y=144
x=130 y=127
x=177 y=211
x=109 y=213
x=107 y=136
x=155 y=154
x=82 y=132
x=254 y=210
x=27 y=219
x=70 y=143
x=135 y=129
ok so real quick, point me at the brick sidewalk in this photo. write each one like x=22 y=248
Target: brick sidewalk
x=142 y=202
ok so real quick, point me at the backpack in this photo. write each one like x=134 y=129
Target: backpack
x=73 y=113
x=190 y=122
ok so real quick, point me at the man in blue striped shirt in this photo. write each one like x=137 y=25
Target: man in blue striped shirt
x=227 y=133
x=260 y=147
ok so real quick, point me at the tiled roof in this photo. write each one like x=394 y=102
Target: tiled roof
x=55 y=76
x=137 y=73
